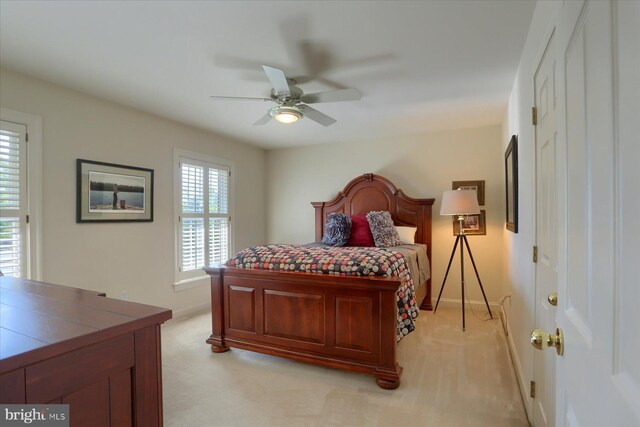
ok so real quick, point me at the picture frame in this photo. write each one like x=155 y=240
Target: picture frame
x=473 y=225
x=108 y=192
x=511 y=184
x=477 y=185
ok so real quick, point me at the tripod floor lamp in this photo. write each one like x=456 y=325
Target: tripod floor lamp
x=461 y=203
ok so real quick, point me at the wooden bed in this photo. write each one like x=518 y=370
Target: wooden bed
x=345 y=322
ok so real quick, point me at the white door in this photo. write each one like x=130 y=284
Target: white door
x=544 y=363
x=598 y=378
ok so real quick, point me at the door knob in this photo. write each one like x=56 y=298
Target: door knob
x=543 y=340
x=553 y=298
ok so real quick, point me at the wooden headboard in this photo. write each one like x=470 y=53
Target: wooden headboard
x=371 y=192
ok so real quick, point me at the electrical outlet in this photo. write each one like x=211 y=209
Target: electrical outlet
x=124 y=295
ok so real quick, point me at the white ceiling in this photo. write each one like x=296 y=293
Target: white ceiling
x=421 y=66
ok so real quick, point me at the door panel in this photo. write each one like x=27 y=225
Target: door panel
x=578 y=276
x=626 y=375
x=544 y=363
x=598 y=378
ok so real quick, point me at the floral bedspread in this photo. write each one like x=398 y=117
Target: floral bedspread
x=353 y=261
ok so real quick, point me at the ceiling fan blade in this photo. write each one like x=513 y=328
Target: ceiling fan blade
x=317 y=116
x=263 y=120
x=277 y=78
x=332 y=96
x=240 y=98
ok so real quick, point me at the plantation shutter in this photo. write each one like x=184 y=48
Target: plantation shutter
x=219 y=215
x=192 y=220
x=13 y=199
x=204 y=216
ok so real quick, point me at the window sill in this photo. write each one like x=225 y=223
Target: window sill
x=195 y=282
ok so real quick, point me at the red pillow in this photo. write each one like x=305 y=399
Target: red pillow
x=360 y=232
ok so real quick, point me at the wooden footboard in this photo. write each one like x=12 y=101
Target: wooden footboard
x=336 y=321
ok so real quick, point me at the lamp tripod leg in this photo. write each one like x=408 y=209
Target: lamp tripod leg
x=462 y=276
x=453 y=252
x=477 y=275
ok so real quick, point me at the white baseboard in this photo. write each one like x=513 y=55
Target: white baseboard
x=191 y=311
x=456 y=303
x=515 y=361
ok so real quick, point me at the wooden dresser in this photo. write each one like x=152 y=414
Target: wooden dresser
x=66 y=345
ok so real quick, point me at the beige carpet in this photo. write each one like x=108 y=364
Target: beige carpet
x=450 y=378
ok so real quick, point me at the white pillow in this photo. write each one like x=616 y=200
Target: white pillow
x=407 y=234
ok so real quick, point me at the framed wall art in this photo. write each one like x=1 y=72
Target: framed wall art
x=473 y=225
x=511 y=183
x=478 y=186
x=107 y=192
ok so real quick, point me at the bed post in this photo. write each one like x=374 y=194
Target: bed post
x=319 y=219
x=216 y=339
x=388 y=375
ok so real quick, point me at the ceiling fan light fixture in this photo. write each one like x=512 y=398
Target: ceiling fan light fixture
x=287 y=118
x=286 y=115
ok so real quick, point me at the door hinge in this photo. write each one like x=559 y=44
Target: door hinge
x=534 y=115
x=229 y=218
x=27 y=219
x=26 y=137
x=532 y=390
x=535 y=254
x=229 y=173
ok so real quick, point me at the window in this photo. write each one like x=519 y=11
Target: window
x=204 y=217
x=13 y=200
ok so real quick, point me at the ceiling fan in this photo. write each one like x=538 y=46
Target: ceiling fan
x=292 y=101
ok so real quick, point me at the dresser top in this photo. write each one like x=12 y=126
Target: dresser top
x=41 y=320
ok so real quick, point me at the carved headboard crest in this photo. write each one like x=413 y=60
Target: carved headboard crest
x=370 y=192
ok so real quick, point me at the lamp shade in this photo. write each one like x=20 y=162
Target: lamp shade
x=459 y=202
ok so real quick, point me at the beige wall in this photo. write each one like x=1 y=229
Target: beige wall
x=134 y=257
x=422 y=166
x=519 y=272
x=139 y=257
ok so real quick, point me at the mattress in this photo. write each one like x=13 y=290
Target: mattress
x=416 y=258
